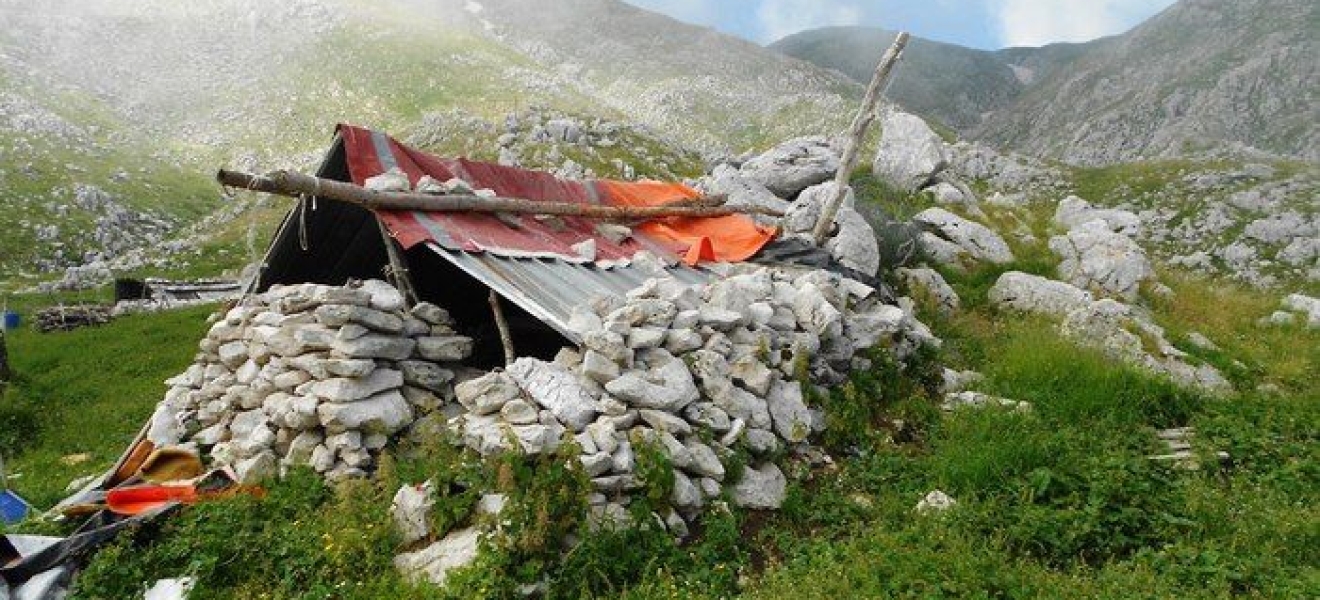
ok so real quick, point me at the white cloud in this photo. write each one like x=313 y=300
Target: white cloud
x=779 y=18
x=1039 y=22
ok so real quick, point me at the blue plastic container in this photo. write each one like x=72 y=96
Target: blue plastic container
x=12 y=508
x=11 y=320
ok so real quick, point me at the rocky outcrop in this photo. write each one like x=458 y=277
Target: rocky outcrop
x=910 y=154
x=1307 y=306
x=928 y=282
x=1118 y=330
x=949 y=239
x=1073 y=212
x=434 y=563
x=1121 y=332
x=1023 y=292
x=793 y=166
x=740 y=190
x=1097 y=259
x=852 y=243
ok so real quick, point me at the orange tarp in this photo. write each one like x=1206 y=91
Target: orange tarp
x=733 y=238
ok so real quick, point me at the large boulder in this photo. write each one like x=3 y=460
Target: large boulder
x=1028 y=293
x=1307 y=305
x=853 y=242
x=928 y=282
x=974 y=239
x=1097 y=259
x=793 y=166
x=910 y=154
x=741 y=191
x=1124 y=334
x=1073 y=212
x=411 y=511
x=384 y=413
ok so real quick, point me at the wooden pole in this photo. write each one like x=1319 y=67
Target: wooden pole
x=287 y=183
x=398 y=274
x=506 y=338
x=856 y=135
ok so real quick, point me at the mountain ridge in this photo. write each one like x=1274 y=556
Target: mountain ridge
x=1201 y=77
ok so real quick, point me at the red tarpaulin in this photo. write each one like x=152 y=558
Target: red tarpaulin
x=728 y=239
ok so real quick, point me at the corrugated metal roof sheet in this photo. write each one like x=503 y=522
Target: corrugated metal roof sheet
x=534 y=262
x=549 y=289
x=369 y=153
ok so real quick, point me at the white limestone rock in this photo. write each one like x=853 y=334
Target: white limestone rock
x=383 y=295
x=1306 y=305
x=1117 y=330
x=1028 y=293
x=374 y=346
x=793 y=166
x=426 y=375
x=1074 y=211
x=445 y=348
x=910 y=153
x=487 y=394
x=353 y=389
x=929 y=282
x=556 y=389
x=762 y=488
x=385 y=413
x=788 y=411
x=976 y=240
x=935 y=502
x=393 y=180
x=741 y=191
x=435 y=562
x=1097 y=259
x=411 y=511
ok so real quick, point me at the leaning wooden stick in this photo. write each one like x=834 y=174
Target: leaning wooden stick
x=287 y=183
x=856 y=134
x=506 y=338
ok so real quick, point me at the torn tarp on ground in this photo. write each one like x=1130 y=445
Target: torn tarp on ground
x=17 y=567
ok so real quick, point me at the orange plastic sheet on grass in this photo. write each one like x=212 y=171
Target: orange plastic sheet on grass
x=732 y=238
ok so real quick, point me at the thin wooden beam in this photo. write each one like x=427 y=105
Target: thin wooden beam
x=506 y=338
x=398 y=270
x=856 y=135
x=287 y=183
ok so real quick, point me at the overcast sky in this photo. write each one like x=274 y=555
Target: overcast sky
x=988 y=24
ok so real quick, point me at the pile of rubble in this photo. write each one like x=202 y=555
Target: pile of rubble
x=311 y=375
x=328 y=376
x=68 y=318
x=694 y=372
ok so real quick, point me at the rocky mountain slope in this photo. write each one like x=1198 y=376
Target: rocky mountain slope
x=946 y=82
x=225 y=82
x=1204 y=76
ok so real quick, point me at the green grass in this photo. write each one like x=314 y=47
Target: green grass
x=87 y=392
x=1059 y=502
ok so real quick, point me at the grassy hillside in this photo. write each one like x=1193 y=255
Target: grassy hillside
x=54 y=141
x=1057 y=502
x=145 y=99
